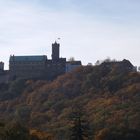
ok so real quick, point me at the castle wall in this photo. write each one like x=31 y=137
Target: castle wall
x=47 y=69
x=4 y=77
x=27 y=69
x=54 y=69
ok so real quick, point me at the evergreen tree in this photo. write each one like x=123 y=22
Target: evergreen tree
x=16 y=131
x=80 y=128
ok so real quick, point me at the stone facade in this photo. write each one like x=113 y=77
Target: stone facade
x=27 y=66
x=55 y=68
x=4 y=75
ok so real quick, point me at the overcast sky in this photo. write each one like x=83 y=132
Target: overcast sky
x=90 y=30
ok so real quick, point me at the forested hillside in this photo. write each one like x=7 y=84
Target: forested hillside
x=106 y=97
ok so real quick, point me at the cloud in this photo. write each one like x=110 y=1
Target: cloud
x=29 y=27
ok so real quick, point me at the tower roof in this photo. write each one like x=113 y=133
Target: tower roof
x=28 y=58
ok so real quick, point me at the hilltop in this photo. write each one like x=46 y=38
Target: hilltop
x=109 y=94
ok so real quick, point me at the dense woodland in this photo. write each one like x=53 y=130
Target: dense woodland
x=100 y=102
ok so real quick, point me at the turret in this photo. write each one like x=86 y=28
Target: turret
x=55 y=51
x=1 y=66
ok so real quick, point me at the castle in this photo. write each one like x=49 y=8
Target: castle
x=37 y=66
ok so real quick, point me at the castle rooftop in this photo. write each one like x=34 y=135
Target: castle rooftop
x=28 y=58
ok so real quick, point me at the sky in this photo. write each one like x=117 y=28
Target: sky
x=89 y=30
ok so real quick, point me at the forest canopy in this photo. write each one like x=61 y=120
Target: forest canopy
x=109 y=94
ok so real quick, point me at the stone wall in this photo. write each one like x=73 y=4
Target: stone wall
x=28 y=69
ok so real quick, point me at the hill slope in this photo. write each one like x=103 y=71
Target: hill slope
x=109 y=93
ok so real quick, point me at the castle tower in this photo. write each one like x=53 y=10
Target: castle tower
x=1 y=66
x=55 y=51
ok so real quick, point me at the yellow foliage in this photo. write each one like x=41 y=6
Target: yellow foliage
x=41 y=135
x=102 y=134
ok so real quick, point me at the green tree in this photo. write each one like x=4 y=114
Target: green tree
x=16 y=131
x=80 y=128
x=2 y=131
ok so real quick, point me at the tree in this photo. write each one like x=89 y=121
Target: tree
x=16 y=131
x=2 y=131
x=71 y=59
x=13 y=131
x=98 y=62
x=22 y=113
x=80 y=129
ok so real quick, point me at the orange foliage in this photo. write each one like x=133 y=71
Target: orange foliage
x=41 y=135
